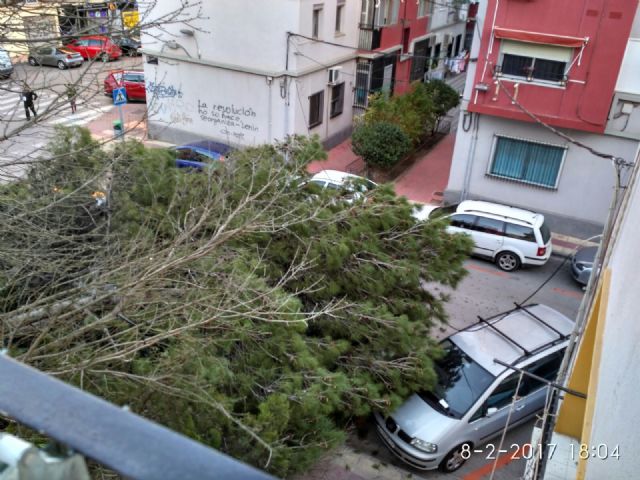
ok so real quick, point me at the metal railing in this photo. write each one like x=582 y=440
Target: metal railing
x=120 y=440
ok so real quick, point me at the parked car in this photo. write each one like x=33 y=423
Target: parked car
x=352 y=186
x=60 y=57
x=582 y=264
x=6 y=67
x=202 y=154
x=95 y=46
x=509 y=236
x=131 y=80
x=475 y=395
x=129 y=46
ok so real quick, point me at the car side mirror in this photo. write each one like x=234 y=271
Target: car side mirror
x=490 y=411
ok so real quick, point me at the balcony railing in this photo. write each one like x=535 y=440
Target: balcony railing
x=126 y=443
x=369 y=37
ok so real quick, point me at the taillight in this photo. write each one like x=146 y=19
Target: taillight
x=541 y=251
x=69 y=57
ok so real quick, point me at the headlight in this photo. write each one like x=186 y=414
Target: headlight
x=424 y=446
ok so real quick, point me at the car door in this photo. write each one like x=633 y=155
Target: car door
x=491 y=416
x=535 y=391
x=463 y=223
x=488 y=235
x=134 y=83
x=520 y=238
x=44 y=55
x=80 y=46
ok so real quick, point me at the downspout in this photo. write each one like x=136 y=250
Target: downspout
x=470 y=157
x=270 y=110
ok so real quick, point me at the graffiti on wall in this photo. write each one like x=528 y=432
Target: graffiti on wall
x=159 y=90
x=233 y=121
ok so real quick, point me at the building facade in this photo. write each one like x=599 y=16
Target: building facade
x=22 y=27
x=559 y=62
x=405 y=41
x=248 y=73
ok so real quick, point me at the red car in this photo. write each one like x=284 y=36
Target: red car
x=95 y=46
x=131 y=80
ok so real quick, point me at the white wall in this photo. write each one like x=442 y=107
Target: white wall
x=617 y=410
x=242 y=44
x=585 y=184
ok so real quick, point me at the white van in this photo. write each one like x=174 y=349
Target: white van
x=6 y=67
x=509 y=236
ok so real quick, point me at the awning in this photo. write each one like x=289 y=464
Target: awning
x=537 y=37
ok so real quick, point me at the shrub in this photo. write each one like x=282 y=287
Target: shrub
x=380 y=144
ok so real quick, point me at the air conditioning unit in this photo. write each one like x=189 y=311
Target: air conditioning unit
x=334 y=75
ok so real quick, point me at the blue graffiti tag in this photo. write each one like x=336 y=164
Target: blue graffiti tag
x=163 y=91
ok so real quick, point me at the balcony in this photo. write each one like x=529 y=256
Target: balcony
x=369 y=37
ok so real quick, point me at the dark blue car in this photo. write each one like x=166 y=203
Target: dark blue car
x=199 y=155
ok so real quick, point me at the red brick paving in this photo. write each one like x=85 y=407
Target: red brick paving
x=428 y=177
x=340 y=157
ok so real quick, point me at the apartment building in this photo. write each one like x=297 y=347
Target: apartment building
x=565 y=64
x=248 y=73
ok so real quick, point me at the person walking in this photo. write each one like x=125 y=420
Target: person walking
x=72 y=93
x=28 y=97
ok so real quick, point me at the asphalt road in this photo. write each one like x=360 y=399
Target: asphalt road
x=485 y=291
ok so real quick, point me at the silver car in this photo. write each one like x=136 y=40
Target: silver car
x=582 y=264
x=6 y=67
x=474 y=394
x=60 y=57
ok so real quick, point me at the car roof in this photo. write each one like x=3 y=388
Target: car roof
x=336 y=176
x=502 y=212
x=217 y=147
x=533 y=328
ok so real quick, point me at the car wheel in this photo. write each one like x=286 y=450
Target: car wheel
x=508 y=261
x=32 y=62
x=455 y=458
x=61 y=65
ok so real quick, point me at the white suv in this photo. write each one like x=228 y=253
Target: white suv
x=509 y=236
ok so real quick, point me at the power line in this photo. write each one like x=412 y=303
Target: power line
x=617 y=160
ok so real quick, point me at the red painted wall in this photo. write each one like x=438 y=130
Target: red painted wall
x=391 y=36
x=584 y=103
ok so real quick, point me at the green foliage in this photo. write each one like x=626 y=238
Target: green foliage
x=228 y=305
x=416 y=111
x=380 y=144
x=443 y=96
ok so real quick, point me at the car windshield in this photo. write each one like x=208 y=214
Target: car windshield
x=545 y=232
x=461 y=381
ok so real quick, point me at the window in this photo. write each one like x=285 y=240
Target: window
x=547 y=63
x=527 y=162
x=519 y=232
x=44 y=51
x=387 y=13
x=406 y=34
x=134 y=77
x=461 y=381
x=316 y=102
x=339 y=16
x=546 y=368
x=422 y=8
x=463 y=220
x=315 y=21
x=152 y=60
x=337 y=99
x=489 y=225
x=503 y=394
x=95 y=43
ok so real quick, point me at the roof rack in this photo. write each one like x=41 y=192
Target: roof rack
x=526 y=353
x=506 y=217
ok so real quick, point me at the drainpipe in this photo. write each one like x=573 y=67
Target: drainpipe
x=470 y=157
x=269 y=108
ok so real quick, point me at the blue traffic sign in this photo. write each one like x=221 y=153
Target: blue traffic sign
x=119 y=96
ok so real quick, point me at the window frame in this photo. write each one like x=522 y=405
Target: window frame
x=314 y=122
x=423 y=9
x=387 y=13
x=316 y=21
x=340 y=9
x=337 y=100
x=492 y=155
x=534 y=52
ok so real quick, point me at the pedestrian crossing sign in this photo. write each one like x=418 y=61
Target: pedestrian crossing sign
x=119 y=96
